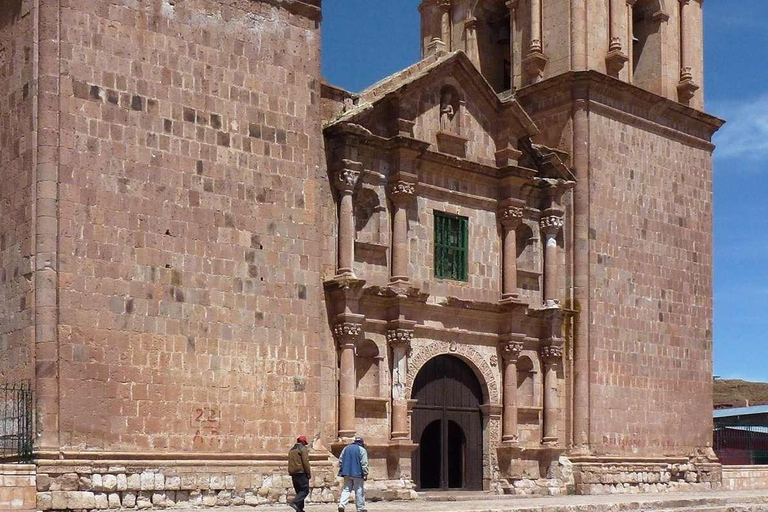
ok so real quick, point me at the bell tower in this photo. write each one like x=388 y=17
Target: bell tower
x=653 y=44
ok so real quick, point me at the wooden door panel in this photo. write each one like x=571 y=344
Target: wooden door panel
x=447 y=390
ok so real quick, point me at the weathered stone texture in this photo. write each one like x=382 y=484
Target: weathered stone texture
x=17 y=488
x=651 y=290
x=87 y=486
x=738 y=478
x=189 y=229
x=17 y=189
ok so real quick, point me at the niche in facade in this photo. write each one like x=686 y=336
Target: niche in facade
x=369 y=217
x=525 y=382
x=368 y=369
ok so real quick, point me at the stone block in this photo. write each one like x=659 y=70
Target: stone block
x=69 y=482
x=114 y=500
x=101 y=501
x=147 y=481
x=97 y=482
x=122 y=482
x=133 y=482
x=129 y=499
x=44 y=501
x=109 y=483
x=173 y=483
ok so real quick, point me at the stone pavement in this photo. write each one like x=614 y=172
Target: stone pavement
x=743 y=501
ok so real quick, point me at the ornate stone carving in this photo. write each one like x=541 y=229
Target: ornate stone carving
x=488 y=375
x=400 y=337
x=551 y=353
x=511 y=216
x=494 y=361
x=510 y=350
x=346 y=180
x=551 y=224
x=402 y=190
x=346 y=333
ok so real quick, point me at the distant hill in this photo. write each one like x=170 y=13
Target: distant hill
x=739 y=393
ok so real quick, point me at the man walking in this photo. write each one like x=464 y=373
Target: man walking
x=298 y=468
x=353 y=466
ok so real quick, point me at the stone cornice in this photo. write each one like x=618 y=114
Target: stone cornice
x=603 y=91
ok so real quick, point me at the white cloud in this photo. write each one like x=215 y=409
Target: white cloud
x=745 y=135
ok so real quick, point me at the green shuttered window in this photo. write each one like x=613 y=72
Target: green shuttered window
x=451 y=246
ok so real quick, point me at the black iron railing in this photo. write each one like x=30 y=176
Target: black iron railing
x=16 y=422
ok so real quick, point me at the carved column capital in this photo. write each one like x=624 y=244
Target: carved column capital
x=551 y=224
x=345 y=180
x=551 y=353
x=510 y=351
x=511 y=216
x=443 y=5
x=400 y=338
x=402 y=191
x=512 y=4
x=346 y=333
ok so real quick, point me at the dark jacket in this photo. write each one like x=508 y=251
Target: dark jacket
x=354 y=461
x=298 y=460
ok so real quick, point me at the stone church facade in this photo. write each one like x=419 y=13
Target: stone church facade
x=496 y=265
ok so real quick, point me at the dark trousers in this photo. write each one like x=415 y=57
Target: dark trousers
x=301 y=486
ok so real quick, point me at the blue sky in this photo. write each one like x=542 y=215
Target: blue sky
x=366 y=40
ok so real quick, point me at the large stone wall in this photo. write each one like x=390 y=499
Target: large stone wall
x=17 y=192
x=17 y=488
x=190 y=235
x=650 y=289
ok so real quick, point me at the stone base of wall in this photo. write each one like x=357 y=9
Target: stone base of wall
x=71 y=485
x=653 y=476
x=17 y=487
x=745 y=478
x=86 y=484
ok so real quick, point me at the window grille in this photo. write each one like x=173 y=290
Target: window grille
x=451 y=246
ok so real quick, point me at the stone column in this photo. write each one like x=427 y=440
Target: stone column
x=687 y=86
x=685 y=41
x=401 y=194
x=346 y=181
x=536 y=45
x=550 y=227
x=470 y=26
x=510 y=352
x=511 y=217
x=346 y=334
x=445 y=22
x=617 y=52
x=512 y=6
x=551 y=356
x=400 y=341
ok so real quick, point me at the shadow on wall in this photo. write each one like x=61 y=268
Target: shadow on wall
x=10 y=10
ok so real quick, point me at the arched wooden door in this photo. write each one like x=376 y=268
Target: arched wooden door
x=447 y=424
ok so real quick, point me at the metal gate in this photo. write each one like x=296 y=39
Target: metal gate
x=447 y=424
x=16 y=422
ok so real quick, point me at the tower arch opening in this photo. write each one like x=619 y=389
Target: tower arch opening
x=647 y=44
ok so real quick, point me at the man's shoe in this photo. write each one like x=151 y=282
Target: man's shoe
x=294 y=507
x=340 y=509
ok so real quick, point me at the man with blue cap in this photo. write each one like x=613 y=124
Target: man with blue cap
x=353 y=466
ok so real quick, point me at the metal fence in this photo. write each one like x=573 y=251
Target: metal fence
x=741 y=444
x=16 y=422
